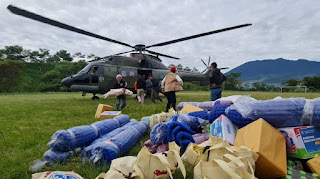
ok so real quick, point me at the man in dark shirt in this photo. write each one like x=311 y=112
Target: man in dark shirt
x=216 y=80
x=155 y=89
x=120 y=83
x=141 y=89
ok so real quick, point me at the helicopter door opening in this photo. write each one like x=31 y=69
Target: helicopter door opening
x=96 y=73
x=130 y=76
x=145 y=73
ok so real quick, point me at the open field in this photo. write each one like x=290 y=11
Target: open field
x=27 y=121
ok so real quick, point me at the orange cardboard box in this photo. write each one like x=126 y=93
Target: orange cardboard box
x=188 y=108
x=101 y=108
x=109 y=114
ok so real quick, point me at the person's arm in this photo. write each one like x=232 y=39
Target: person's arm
x=162 y=82
x=115 y=85
x=179 y=80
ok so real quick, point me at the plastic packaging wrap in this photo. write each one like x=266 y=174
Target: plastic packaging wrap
x=56 y=157
x=191 y=121
x=158 y=134
x=200 y=114
x=118 y=92
x=151 y=147
x=111 y=147
x=162 y=148
x=74 y=137
x=217 y=111
x=278 y=112
x=199 y=138
x=180 y=133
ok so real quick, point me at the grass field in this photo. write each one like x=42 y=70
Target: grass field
x=27 y=121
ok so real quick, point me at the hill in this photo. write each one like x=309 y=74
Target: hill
x=276 y=71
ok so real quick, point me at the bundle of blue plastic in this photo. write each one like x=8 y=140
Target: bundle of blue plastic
x=74 y=137
x=277 y=112
x=158 y=134
x=200 y=114
x=111 y=148
x=191 y=121
x=55 y=156
x=180 y=133
x=217 y=111
x=311 y=115
x=87 y=151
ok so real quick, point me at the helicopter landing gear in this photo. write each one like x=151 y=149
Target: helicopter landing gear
x=84 y=93
x=95 y=98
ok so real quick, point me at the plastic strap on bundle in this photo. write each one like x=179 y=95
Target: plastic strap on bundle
x=308 y=112
x=117 y=122
x=96 y=129
x=73 y=136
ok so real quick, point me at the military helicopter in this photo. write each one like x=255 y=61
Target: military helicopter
x=98 y=76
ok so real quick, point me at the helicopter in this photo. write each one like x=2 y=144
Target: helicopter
x=99 y=75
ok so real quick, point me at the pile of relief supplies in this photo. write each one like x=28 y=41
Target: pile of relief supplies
x=232 y=137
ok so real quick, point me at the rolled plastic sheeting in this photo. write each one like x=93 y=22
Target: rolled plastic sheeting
x=110 y=148
x=192 y=121
x=207 y=105
x=158 y=134
x=290 y=112
x=80 y=136
x=56 y=157
x=180 y=133
x=217 y=111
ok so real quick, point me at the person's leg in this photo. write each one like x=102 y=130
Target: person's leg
x=174 y=100
x=157 y=96
x=142 y=96
x=124 y=101
x=219 y=92
x=118 y=102
x=139 y=95
x=168 y=103
x=153 y=93
x=213 y=94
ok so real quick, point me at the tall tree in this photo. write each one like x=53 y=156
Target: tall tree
x=179 y=67
x=15 y=53
x=232 y=81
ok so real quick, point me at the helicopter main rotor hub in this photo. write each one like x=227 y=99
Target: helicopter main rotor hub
x=140 y=47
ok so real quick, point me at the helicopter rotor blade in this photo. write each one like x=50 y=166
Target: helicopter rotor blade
x=204 y=70
x=224 y=68
x=123 y=52
x=204 y=63
x=197 y=35
x=209 y=61
x=42 y=19
x=160 y=54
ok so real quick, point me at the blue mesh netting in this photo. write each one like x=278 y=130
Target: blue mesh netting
x=55 y=156
x=180 y=133
x=74 y=137
x=217 y=111
x=110 y=148
x=158 y=134
x=200 y=114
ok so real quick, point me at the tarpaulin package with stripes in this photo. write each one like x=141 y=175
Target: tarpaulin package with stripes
x=74 y=137
x=114 y=145
x=217 y=111
x=279 y=112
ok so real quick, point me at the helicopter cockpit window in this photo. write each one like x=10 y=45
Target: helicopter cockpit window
x=86 y=69
x=132 y=73
x=124 y=73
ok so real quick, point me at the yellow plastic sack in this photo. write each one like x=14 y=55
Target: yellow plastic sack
x=219 y=169
x=56 y=174
x=159 y=165
x=121 y=168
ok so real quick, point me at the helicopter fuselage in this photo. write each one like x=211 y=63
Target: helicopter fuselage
x=99 y=76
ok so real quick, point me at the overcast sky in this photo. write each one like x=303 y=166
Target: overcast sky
x=287 y=29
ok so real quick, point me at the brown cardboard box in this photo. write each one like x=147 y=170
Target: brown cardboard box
x=314 y=164
x=101 y=108
x=109 y=114
x=189 y=108
x=269 y=143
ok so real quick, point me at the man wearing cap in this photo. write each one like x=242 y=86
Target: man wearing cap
x=216 y=79
x=170 y=84
x=120 y=83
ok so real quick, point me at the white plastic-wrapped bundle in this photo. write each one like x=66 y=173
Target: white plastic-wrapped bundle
x=118 y=92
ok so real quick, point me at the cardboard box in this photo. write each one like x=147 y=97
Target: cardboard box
x=223 y=128
x=109 y=114
x=101 y=108
x=314 y=165
x=269 y=143
x=188 y=108
x=302 y=142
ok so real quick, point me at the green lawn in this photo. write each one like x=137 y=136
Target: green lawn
x=27 y=121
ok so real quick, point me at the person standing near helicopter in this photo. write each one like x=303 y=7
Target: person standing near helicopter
x=120 y=83
x=170 y=84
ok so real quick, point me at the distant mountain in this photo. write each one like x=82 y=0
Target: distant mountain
x=276 y=71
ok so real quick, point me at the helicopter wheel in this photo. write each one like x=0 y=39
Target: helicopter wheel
x=95 y=98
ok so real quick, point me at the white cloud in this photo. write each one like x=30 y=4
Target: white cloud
x=287 y=29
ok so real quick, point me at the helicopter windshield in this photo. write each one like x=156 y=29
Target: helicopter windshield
x=86 y=69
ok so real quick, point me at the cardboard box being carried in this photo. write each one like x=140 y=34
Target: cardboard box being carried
x=223 y=128
x=109 y=114
x=314 y=164
x=188 y=108
x=269 y=143
x=101 y=108
x=302 y=142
